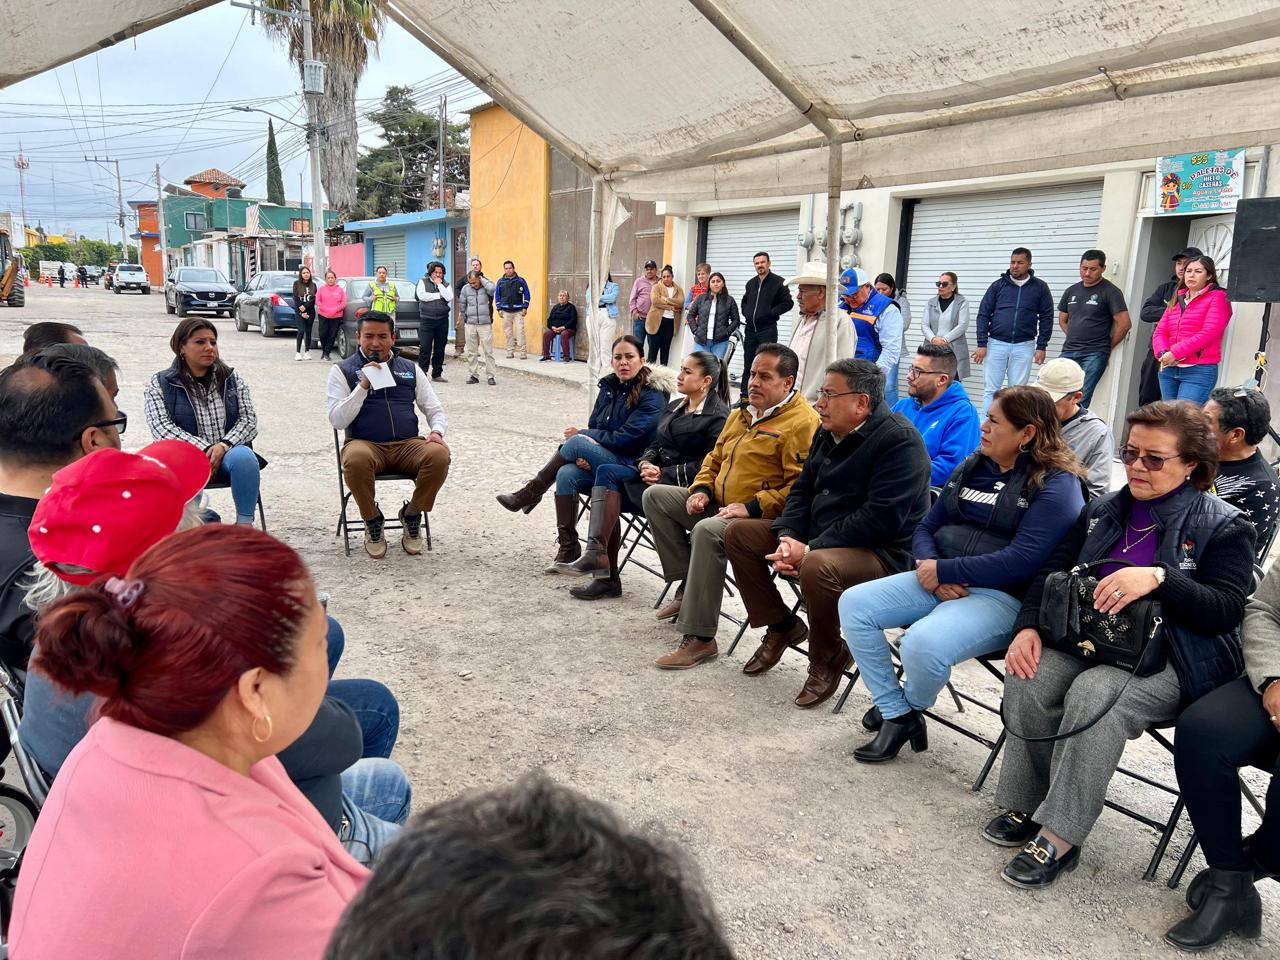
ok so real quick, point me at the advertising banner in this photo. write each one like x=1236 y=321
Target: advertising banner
x=1210 y=181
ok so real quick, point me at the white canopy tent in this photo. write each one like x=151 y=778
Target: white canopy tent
x=698 y=99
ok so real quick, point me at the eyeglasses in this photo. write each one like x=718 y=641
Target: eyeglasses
x=120 y=423
x=942 y=283
x=914 y=372
x=1129 y=456
x=829 y=395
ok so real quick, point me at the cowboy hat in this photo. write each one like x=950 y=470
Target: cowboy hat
x=814 y=272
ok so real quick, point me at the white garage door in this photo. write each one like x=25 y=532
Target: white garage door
x=390 y=252
x=732 y=242
x=972 y=236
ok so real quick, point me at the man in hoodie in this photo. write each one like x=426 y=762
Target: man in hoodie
x=1086 y=433
x=940 y=409
x=1015 y=320
x=511 y=297
x=765 y=300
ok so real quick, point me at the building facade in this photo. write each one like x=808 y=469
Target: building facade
x=405 y=243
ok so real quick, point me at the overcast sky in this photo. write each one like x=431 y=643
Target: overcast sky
x=141 y=102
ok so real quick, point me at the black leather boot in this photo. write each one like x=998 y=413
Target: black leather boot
x=530 y=495
x=606 y=505
x=871 y=720
x=1230 y=905
x=566 y=532
x=1198 y=887
x=893 y=736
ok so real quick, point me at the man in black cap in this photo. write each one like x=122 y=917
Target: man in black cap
x=1152 y=310
x=642 y=298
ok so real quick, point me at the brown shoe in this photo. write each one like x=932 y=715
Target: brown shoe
x=691 y=652
x=823 y=682
x=671 y=609
x=771 y=648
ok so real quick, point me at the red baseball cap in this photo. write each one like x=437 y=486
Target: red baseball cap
x=105 y=510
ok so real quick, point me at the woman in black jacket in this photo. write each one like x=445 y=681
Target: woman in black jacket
x=1162 y=535
x=714 y=318
x=686 y=432
x=304 y=305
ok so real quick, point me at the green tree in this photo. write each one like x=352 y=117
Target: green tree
x=400 y=175
x=275 y=179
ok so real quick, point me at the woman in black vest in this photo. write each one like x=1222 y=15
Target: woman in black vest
x=304 y=305
x=687 y=430
x=200 y=400
x=435 y=300
x=1000 y=516
x=1163 y=536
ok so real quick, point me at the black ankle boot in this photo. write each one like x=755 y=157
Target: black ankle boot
x=1230 y=905
x=871 y=720
x=893 y=736
x=598 y=588
x=1198 y=887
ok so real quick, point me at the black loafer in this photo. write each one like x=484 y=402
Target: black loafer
x=1038 y=865
x=1011 y=829
x=893 y=736
x=871 y=720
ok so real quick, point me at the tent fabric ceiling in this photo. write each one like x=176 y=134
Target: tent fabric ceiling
x=660 y=101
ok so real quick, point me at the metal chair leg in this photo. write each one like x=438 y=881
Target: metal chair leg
x=844 y=695
x=1165 y=836
x=262 y=514
x=736 y=637
x=426 y=528
x=991 y=762
x=1184 y=861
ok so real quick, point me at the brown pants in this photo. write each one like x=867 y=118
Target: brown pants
x=362 y=461
x=824 y=575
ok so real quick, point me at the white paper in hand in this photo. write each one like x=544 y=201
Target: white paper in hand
x=380 y=377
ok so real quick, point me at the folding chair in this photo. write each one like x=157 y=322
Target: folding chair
x=345 y=523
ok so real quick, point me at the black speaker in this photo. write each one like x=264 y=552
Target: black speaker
x=1255 y=252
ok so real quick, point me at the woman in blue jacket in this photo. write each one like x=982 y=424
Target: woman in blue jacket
x=999 y=518
x=623 y=422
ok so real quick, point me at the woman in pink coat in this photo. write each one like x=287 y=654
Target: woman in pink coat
x=331 y=304
x=1188 y=338
x=172 y=831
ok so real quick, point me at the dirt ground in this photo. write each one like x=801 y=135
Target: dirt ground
x=498 y=670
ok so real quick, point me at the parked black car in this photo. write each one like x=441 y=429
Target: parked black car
x=267 y=301
x=360 y=295
x=92 y=274
x=201 y=289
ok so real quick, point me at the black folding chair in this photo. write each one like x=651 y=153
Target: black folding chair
x=390 y=523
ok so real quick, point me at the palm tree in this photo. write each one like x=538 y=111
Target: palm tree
x=342 y=32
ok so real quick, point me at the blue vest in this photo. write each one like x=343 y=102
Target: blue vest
x=177 y=401
x=387 y=415
x=960 y=537
x=869 y=346
x=1186 y=523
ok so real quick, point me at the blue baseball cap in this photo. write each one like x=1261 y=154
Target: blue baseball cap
x=852 y=279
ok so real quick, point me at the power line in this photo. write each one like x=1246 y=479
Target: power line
x=216 y=77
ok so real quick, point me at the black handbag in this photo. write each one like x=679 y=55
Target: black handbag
x=1129 y=640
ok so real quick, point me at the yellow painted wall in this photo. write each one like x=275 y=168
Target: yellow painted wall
x=510 y=184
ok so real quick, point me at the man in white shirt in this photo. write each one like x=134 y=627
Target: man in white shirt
x=372 y=395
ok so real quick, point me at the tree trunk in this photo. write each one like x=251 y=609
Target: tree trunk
x=337 y=116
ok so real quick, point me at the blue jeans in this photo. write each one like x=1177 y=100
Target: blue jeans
x=891 y=385
x=637 y=329
x=1193 y=383
x=376 y=710
x=1094 y=366
x=571 y=478
x=240 y=467
x=613 y=475
x=376 y=796
x=1005 y=360
x=336 y=639
x=940 y=634
x=719 y=349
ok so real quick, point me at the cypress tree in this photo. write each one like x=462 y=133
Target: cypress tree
x=275 y=179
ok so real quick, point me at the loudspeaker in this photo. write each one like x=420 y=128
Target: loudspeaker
x=1255 y=252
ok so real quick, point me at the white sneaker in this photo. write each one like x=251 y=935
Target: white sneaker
x=298 y=355
x=306 y=354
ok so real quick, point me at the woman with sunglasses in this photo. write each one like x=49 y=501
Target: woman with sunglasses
x=1164 y=536
x=200 y=400
x=1188 y=339
x=946 y=321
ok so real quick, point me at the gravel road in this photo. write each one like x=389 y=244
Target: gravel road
x=498 y=671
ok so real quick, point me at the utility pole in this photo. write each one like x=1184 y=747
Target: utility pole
x=124 y=249
x=444 y=123
x=312 y=90
x=164 y=238
x=22 y=163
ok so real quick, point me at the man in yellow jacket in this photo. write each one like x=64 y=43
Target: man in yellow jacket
x=758 y=455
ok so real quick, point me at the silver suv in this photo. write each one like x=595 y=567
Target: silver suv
x=130 y=276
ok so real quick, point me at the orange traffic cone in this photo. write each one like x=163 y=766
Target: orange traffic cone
x=48 y=281
x=75 y=282
x=26 y=281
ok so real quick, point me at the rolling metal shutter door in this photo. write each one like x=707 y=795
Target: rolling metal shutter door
x=390 y=252
x=733 y=240
x=972 y=236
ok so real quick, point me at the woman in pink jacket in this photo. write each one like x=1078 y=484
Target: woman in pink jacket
x=331 y=304
x=172 y=831
x=1188 y=338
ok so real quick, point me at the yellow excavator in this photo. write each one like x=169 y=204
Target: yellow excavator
x=12 y=292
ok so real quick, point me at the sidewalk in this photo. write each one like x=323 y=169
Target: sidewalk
x=574 y=372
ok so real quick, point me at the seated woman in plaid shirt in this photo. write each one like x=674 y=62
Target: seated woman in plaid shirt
x=201 y=400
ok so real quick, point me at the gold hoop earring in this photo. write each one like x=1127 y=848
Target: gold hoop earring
x=254 y=729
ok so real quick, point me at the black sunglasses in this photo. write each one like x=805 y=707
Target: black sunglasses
x=942 y=283
x=120 y=423
x=1129 y=456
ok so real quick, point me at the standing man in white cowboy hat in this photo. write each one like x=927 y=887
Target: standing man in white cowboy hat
x=809 y=335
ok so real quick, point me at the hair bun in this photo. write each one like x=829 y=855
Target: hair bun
x=85 y=643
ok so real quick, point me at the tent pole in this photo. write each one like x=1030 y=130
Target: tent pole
x=595 y=284
x=835 y=172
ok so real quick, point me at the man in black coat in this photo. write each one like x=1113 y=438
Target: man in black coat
x=849 y=518
x=765 y=300
x=1152 y=310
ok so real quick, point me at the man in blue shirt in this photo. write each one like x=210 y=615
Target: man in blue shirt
x=940 y=409
x=1015 y=320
